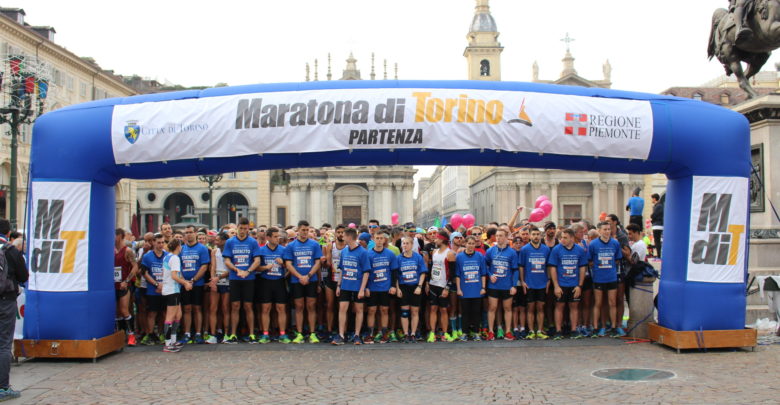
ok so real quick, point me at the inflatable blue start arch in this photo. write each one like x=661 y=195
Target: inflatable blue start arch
x=80 y=152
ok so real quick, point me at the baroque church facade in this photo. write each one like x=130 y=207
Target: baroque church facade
x=495 y=192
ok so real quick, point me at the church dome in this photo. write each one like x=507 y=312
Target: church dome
x=483 y=22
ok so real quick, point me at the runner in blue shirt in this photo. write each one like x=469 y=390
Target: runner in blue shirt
x=502 y=268
x=567 y=264
x=302 y=259
x=535 y=282
x=242 y=258
x=470 y=279
x=152 y=271
x=586 y=302
x=603 y=254
x=355 y=269
x=195 y=260
x=412 y=271
x=384 y=266
x=273 y=288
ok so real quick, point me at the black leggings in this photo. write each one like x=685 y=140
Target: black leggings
x=657 y=235
x=471 y=311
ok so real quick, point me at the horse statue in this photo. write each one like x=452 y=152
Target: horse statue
x=762 y=18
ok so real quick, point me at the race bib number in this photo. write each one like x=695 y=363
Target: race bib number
x=537 y=265
x=410 y=275
x=118 y=274
x=222 y=281
x=336 y=275
x=350 y=275
x=241 y=260
x=304 y=262
x=436 y=271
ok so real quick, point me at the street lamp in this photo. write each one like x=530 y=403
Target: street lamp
x=27 y=82
x=211 y=180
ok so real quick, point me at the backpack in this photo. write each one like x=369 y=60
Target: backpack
x=7 y=284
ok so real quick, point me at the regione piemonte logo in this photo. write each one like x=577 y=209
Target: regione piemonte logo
x=576 y=124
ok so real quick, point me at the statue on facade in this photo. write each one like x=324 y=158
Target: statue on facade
x=748 y=32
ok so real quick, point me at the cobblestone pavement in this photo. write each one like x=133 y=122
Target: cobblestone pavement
x=463 y=373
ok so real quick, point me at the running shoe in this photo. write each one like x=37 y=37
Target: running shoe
x=575 y=335
x=541 y=335
x=298 y=339
x=212 y=340
x=199 y=339
x=531 y=336
x=252 y=339
x=558 y=336
x=500 y=334
x=477 y=338
x=161 y=339
x=131 y=340
x=284 y=339
x=602 y=332
x=447 y=337
x=9 y=393
x=230 y=340
x=368 y=339
x=171 y=349
x=491 y=336
x=146 y=340
x=185 y=339
x=463 y=338
x=384 y=337
x=523 y=334
x=509 y=336
x=313 y=338
x=264 y=339
x=418 y=337
x=618 y=332
x=337 y=340
x=357 y=340
x=431 y=337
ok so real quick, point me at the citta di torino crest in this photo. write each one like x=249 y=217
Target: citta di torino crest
x=132 y=131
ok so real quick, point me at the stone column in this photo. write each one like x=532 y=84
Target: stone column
x=556 y=212
x=627 y=188
x=387 y=204
x=612 y=198
x=371 y=201
x=331 y=218
x=315 y=205
x=522 y=195
x=295 y=196
x=408 y=196
x=596 y=202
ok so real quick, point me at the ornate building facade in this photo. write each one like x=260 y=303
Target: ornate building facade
x=495 y=192
x=70 y=79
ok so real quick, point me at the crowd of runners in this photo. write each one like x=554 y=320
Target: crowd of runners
x=375 y=283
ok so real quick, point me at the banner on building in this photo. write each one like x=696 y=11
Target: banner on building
x=718 y=230
x=345 y=119
x=58 y=248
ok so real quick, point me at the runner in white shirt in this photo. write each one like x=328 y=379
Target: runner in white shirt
x=219 y=291
x=438 y=287
x=638 y=246
x=172 y=281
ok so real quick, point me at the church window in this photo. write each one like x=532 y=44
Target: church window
x=484 y=68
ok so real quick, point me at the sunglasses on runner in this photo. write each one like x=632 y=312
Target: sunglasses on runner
x=373 y=226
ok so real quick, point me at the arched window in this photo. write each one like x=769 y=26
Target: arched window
x=697 y=96
x=484 y=68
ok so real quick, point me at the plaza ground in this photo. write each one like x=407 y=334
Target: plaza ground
x=459 y=373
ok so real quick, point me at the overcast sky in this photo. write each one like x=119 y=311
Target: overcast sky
x=652 y=45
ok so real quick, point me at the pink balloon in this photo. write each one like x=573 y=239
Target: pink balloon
x=468 y=220
x=351 y=225
x=546 y=206
x=394 y=218
x=456 y=220
x=540 y=200
x=536 y=215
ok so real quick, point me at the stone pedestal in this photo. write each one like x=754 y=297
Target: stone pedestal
x=763 y=114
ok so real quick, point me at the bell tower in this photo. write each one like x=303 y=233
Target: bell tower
x=483 y=53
